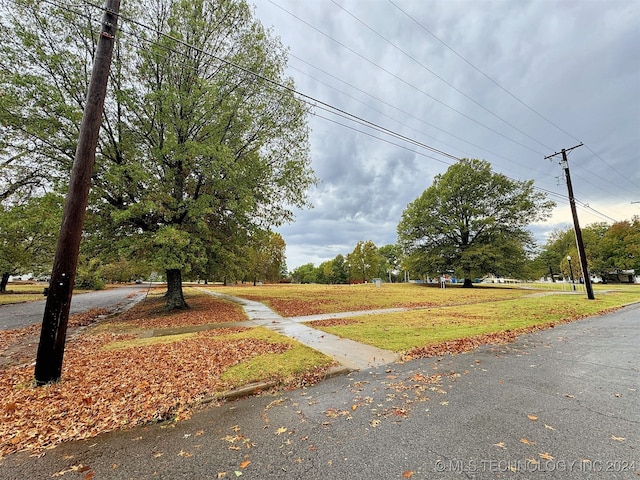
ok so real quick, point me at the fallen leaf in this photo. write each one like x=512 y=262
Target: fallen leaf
x=569 y=396
x=245 y=464
x=354 y=407
x=281 y=430
x=238 y=473
x=546 y=456
x=374 y=423
x=407 y=474
x=618 y=439
x=533 y=418
x=548 y=427
x=182 y=453
x=222 y=474
x=527 y=442
x=501 y=445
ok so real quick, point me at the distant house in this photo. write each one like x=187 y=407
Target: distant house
x=617 y=275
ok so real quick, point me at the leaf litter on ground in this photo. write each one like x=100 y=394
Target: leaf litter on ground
x=105 y=389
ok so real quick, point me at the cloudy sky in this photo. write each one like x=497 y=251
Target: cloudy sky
x=506 y=81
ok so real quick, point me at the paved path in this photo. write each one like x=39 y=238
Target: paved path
x=351 y=354
x=559 y=404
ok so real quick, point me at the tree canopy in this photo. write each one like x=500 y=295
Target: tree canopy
x=609 y=249
x=471 y=221
x=204 y=143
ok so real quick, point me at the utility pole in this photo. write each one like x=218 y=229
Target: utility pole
x=576 y=224
x=56 y=313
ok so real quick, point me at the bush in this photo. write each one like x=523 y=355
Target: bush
x=89 y=282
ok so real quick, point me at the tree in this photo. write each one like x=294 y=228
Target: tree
x=200 y=147
x=364 y=262
x=224 y=147
x=392 y=255
x=266 y=254
x=620 y=245
x=306 y=273
x=471 y=220
x=28 y=235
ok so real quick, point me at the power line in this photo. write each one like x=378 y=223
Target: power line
x=468 y=97
x=314 y=102
x=512 y=95
x=397 y=77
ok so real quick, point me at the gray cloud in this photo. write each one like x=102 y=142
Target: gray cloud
x=576 y=63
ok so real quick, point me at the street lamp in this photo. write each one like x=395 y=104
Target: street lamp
x=571 y=270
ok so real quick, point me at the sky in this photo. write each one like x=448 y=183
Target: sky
x=510 y=82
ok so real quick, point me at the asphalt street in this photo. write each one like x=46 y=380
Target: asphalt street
x=562 y=403
x=25 y=314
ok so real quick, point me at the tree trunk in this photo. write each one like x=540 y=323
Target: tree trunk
x=467 y=283
x=174 y=296
x=3 y=282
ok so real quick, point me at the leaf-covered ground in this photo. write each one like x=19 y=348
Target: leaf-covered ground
x=300 y=300
x=112 y=378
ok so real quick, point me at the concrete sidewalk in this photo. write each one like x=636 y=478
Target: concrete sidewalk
x=353 y=355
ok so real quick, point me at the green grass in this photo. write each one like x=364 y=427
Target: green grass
x=10 y=298
x=25 y=292
x=406 y=330
x=284 y=367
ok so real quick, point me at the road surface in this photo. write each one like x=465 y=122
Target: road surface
x=25 y=314
x=563 y=404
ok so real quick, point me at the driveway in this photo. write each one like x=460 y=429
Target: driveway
x=562 y=403
x=25 y=314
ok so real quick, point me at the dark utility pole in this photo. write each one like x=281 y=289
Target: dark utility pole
x=576 y=224
x=56 y=313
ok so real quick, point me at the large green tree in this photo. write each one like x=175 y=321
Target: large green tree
x=28 y=233
x=472 y=221
x=199 y=148
x=364 y=262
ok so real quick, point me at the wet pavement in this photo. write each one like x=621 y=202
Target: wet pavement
x=20 y=315
x=563 y=403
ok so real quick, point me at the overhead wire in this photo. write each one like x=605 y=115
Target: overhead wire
x=446 y=82
x=595 y=185
x=505 y=90
x=314 y=102
x=399 y=78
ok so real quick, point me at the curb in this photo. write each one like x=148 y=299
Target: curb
x=258 y=387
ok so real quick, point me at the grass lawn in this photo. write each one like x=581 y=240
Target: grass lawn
x=407 y=330
x=445 y=314
x=148 y=365
x=142 y=366
x=25 y=292
x=22 y=292
x=291 y=300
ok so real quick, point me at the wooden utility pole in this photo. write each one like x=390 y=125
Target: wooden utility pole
x=56 y=313
x=576 y=225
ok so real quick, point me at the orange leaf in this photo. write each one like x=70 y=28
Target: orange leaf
x=245 y=464
x=533 y=418
x=407 y=474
